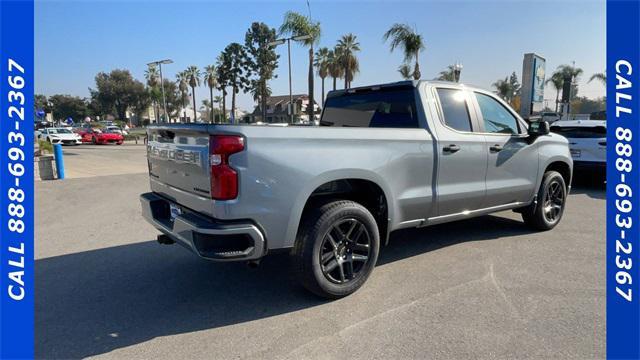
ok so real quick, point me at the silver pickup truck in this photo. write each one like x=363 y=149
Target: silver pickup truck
x=385 y=157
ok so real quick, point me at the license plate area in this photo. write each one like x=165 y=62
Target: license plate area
x=576 y=153
x=174 y=211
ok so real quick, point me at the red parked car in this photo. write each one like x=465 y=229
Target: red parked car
x=95 y=136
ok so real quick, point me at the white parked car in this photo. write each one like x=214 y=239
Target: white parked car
x=60 y=136
x=587 y=142
x=116 y=130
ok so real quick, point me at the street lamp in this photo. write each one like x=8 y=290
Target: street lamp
x=159 y=64
x=457 y=69
x=288 y=41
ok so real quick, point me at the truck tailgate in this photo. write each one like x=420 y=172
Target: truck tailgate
x=179 y=157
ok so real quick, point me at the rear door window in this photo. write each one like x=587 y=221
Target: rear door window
x=576 y=132
x=454 y=109
x=384 y=108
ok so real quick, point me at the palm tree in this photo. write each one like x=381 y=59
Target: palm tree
x=295 y=24
x=602 y=77
x=207 y=106
x=181 y=79
x=405 y=71
x=218 y=100
x=557 y=81
x=322 y=64
x=259 y=89
x=503 y=89
x=570 y=71
x=211 y=79
x=335 y=68
x=402 y=35
x=347 y=46
x=153 y=76
x=448 y=74
x=193 y=75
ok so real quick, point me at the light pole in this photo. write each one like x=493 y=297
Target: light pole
x=159 y=64
x=288 y=41
x=457 y=69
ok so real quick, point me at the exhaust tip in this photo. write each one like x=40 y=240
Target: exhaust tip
x=165 y=240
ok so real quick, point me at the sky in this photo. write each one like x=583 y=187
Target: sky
x=74 y=40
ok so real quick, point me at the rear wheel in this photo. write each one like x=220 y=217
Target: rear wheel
x=337 y=249
x=552 y=196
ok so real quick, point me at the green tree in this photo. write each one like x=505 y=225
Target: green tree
x=237 y=70
x=503 y=88
x=295 y=24
x=219 y=100
x=206 y=109
x=258 y=92
x=405 y=71
x=348 y=45
x=602 y=77
x=336 y=71
x=40 y=102
x=262 y=60
x=321 y=62
x=211 y=79
x=222 y=68
x=65 y=106
x=139 y=104
x=173 y=98
x=556 y=80
x=404 y=36
x=153 y=80
x=193 y=77
x=448 y=74
x=117 y=90
x=514 y=85
x=570 y=71
x=183 y=85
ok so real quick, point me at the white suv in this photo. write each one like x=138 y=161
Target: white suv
x=587 y=142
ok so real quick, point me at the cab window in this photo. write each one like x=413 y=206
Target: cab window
x=454 y=109
x=497 y=119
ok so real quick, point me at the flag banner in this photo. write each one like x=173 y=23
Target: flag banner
x=623 y=182
x=16 y=180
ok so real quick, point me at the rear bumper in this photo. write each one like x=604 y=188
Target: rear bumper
x=66 y=142
x=209 y=238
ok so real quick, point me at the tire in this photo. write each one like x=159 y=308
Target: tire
x=119 y=143
x=551 y=201
x=335 y=235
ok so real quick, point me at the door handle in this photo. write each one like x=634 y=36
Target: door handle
x=495 y=147
x=451 y=148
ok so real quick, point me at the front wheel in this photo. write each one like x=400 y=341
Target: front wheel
x=337 y=249
x=552 y=196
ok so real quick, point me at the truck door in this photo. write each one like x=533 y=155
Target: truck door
x=513 y=163
x=462 y=154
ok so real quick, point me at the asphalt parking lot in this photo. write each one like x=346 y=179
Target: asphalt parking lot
x=482 y=288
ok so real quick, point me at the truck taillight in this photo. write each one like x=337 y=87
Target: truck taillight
x=224 y=179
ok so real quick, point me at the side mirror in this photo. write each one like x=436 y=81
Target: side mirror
x=538 y=128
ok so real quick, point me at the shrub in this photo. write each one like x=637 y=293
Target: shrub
x=45 y=147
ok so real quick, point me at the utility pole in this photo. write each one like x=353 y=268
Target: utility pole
x=164 y=100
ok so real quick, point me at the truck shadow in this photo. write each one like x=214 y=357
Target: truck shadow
x=96 y=301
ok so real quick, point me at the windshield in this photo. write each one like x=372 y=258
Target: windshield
x=59 y=131
x=593 y=132
x=384 y=108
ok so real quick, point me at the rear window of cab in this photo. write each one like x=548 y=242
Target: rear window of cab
x=383 y=108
